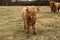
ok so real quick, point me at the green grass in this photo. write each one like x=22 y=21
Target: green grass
x=12 y=27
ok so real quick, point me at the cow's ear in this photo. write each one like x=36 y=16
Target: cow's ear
x=38 y=9
x=27 y=9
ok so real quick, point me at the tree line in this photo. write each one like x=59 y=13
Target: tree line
x=24 y=3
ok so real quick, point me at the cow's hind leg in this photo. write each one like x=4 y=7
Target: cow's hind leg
x=58 y=10
x=24 y=25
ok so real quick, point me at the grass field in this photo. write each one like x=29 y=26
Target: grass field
x=11 y=24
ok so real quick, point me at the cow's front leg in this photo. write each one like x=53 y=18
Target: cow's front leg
x=34 y=27
x=26 y=26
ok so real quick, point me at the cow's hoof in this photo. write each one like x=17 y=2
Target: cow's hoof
x=35 y=33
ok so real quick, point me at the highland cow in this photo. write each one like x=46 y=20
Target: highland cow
x=29 y=17
x=54 y=6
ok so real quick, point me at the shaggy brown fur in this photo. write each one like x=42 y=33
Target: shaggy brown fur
x=54 y=6
x=29 y=17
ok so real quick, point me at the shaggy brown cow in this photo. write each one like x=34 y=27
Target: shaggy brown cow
x=54 y=6
x=29 y=17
